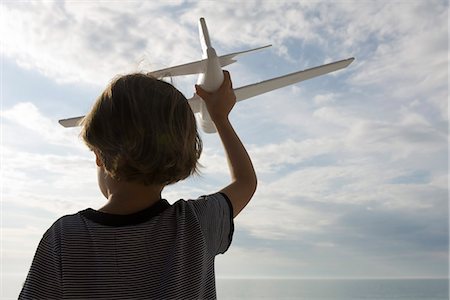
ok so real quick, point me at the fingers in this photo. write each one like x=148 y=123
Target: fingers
x=227 y=84
x=226 y=74
x=201 y=92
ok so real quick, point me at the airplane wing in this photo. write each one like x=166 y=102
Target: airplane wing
x=72 y=122
x=262 y=87
x=197 y=67
x=255 y=89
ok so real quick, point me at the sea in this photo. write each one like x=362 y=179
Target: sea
x=303 y=289
x=333 y=289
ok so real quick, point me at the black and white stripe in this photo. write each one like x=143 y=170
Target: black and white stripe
x=163 y=252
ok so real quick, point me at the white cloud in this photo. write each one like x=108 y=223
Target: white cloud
x=91 y=41
x=27 y=115
x=272 y=157
x=256 y=23
x=270 y=216
x=57 y=183
x=324 y=98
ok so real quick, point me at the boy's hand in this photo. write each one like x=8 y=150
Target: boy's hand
x=220 y=102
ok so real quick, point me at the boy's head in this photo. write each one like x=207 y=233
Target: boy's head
x=143 y=130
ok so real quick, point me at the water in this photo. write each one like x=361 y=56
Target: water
x=333 y=289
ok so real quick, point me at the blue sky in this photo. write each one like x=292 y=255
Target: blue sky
x=352 y=166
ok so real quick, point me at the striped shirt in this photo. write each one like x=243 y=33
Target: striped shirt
x=163 y=252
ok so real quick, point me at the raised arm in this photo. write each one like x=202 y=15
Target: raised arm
x=243 y=177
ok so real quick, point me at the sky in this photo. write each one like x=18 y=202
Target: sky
x=352 y=166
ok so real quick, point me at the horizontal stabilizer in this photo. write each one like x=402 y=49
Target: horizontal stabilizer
x=195 y=67
x=198 y=67
x=252 y=90
x=72 y=122
x=227 y=59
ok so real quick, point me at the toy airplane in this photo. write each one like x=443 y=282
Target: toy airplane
x=211 y=78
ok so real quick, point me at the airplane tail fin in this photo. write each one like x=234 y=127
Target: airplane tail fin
x=204 y=36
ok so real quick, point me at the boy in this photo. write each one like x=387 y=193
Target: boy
x=138 y=246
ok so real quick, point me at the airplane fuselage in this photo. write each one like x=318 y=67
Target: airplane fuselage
x=212 y=77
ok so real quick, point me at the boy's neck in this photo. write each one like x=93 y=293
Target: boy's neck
x=126 y=198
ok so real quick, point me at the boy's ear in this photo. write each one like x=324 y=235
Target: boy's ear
x=98 y=161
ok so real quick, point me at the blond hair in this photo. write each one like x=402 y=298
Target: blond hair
x=144 y=131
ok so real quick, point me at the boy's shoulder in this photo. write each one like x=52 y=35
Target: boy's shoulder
x=65 y=220
x=73 y=222
x=203 y=200
x=54 y=232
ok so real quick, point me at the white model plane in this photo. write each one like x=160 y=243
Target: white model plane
x=211 y=78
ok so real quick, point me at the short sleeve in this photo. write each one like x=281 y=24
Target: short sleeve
x=215 y=215
x=44 y=278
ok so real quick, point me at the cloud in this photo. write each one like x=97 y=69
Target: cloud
x=90 y=42
x=409 y=232
x=270 y=158
x=403 y=70
x=27 y=116
x=27 y=178
x=321 y=99
x=283 y=21
x=359 y=165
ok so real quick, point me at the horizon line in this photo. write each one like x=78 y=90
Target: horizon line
x=327 y=278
